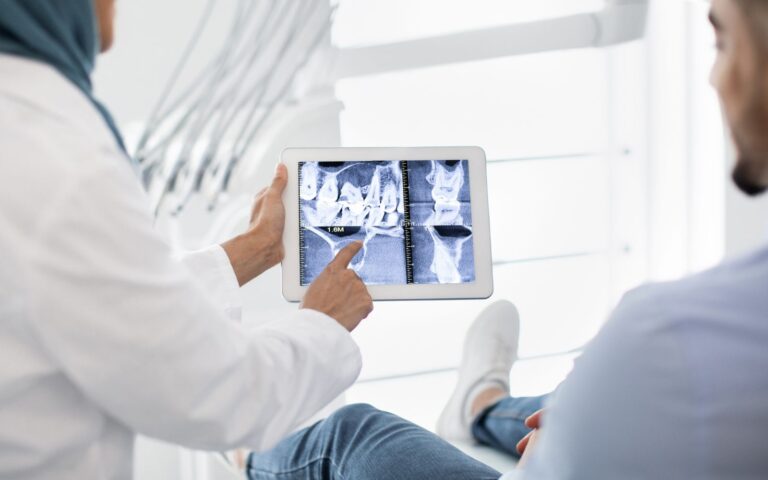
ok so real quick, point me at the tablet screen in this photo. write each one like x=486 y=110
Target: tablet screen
x=414 y=218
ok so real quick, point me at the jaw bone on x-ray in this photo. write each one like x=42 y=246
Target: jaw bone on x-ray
x=413 y=217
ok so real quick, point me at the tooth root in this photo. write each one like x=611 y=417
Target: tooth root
x=378 y=216
x=389 y=199
x=329 y=192
x=375 y=188
x=447 y=256
x=350 y=193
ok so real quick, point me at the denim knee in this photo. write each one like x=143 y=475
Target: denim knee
x=354 y=412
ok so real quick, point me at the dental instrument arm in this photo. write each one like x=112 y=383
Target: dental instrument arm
x=202 y=138
x=620 y=21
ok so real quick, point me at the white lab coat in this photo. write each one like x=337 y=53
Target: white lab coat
x=103 y=332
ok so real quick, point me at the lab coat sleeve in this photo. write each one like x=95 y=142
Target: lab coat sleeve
x=140 y=337
x=212 y=268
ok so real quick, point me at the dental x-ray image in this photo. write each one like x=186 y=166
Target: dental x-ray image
x=413 y=217
x=441 y=215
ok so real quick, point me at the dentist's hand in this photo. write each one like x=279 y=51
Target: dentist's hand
x=261 y=247
x=339 y=293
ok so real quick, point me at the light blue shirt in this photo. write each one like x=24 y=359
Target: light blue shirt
x=675 y=386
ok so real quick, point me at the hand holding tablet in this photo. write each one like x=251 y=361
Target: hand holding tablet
x=420 y=213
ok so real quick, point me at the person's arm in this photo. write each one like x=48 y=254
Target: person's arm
x=261 y=247
x=142 y=339
x=223 y=268
x=212 y=268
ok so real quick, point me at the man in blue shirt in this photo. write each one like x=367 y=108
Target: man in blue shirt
x=672 y=387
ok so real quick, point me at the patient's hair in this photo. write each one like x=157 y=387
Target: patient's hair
x=756 y=12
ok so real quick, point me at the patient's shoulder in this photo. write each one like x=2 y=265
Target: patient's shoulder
x=731 y=295
x=699 y=330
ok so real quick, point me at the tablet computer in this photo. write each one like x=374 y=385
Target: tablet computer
x=421 y=213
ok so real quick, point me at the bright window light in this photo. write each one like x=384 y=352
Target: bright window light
x=544 y=123
x=537 y=105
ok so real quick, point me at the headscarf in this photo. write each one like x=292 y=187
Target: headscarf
x=61 y=33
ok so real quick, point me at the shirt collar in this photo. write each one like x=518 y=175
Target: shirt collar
x=41 y=86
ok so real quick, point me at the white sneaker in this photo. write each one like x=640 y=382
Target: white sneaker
x=490 y=350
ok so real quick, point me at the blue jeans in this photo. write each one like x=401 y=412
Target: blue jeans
x=502 y=425
x=359 y=442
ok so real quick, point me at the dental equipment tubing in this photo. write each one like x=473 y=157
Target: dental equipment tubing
x=198 y=135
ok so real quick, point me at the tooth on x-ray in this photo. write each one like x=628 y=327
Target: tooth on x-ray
x=446 y=187
x=309 y=178
x=329 y=192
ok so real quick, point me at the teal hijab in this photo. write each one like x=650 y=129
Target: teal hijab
x=61 y=33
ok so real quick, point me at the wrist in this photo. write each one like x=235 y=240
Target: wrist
x=251 y=254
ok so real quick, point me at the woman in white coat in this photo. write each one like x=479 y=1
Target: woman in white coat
x=104 y=332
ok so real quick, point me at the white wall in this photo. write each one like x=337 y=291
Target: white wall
x=150 y=36
x=746 y=219
x=747 y=222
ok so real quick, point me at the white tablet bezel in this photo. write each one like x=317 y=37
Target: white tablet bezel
x=481 y=288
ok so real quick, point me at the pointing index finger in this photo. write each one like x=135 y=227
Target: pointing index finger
x=346 y=255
